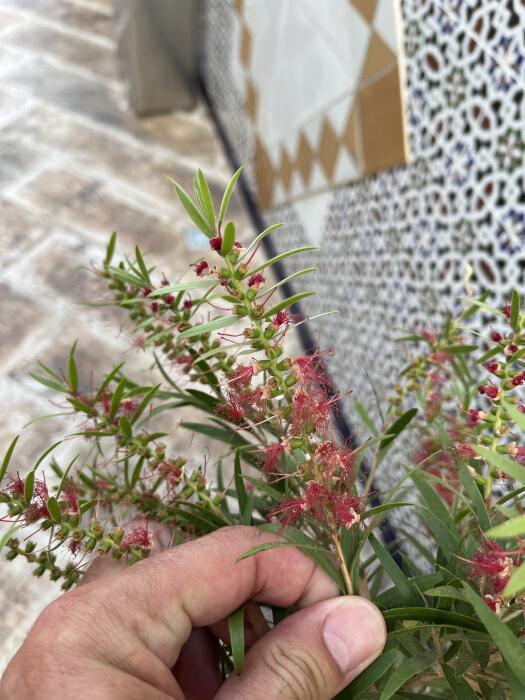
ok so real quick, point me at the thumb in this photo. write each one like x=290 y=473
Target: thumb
x=313 y=654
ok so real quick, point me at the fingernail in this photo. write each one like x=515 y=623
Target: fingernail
x=354 y=633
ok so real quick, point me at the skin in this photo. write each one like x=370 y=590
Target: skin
x=149 y=632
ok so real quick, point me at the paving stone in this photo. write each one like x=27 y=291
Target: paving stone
x=18 y=317
x=9 y=19
x=71 y=14
x=19 y=229
x=16 y=161
x=11 y=103
x=63 y=46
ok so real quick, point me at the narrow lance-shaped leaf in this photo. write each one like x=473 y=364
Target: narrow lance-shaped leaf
x=206 y=199
x=286 y=303
x=515 y=310
x=373 y=673
x=117 y=397
x=280 y=283
x=228 y=193
x=228 y=238
x=110 y=250
x=516 y=583
x=284 y=255
x=194 y=214
x=406 y=670
x=29 y=485
x=236 y=630
x=53 y=507
x=398 y=426
x=514 y=470
x=509 y=646
x=512 y=528
x=142 y=265
x=220 y=322
x=72 y=370
x=7 y=458
x=183 y=287
x=407 y=589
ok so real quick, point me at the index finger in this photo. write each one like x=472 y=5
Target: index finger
x=200 y=583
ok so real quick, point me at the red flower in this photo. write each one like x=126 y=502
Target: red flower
x=493 y=563
x=240 y=377
x=466 y=450
x=272 y=458
x=496 y=337
x=308 y=368
x=490 y=390
x=138 y=537
x=201 y=268
x=146 y=291
x=71 y=495
x=493 y=367
x=347 y=509
x=256 y=280
x=188 y=303
x=288 y=511
x=474 y=417
x=506 y=310
x=518 y=379
x=169 y=299
x=511 y=349
x=15 y=486
x=155 y=307
x=216 y=243
x=281 y=318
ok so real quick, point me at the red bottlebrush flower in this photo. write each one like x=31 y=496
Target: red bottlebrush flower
x=40 y=490
x=473 y=417
x=493 y=367
x=308 y=368
x=15 y=487
x=216 y=243
x=272 y=458
x=138 y=537
x=232 y=410
x=71 y=495
x=172 y=471
x=437 y=378
x=494 y=563
x=146 y=291
x=433 y=404
x=169 y=299
x=317 y=498
x=75 y=546
x=489 y=390
x=240 y=377
x=494 y=602
x=518 y=379
x=164 y=281
x=506 y=310
x=310 y=408
x=496 y=337
x=288 y=512
x=281 y=318
x=255 y=399
x=128 y=407
x=347 y=509
x=439 y=358
x=428 y=335
x=466 y=450
x=335 y=461
x=521 y=407
x=201 y=268
x=155 y=307
x=186 y=360
x=511 y=349
x=188 y=303
x=256 y=280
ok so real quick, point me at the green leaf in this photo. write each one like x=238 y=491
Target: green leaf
x=29 y=486
x=126 y=277
x=125 y=427
x=432 y=499
x=446 y=592
x=72 y=371
x=8 y=534
x=206 y=199
x=512 y=528
x=192 y=211
x=142 y=265
x=363 y=414
x=219 y=322
x=514 y=470
x=228 y=193
x=285 y=303
x=236 y=629
x=183 y=287
x=460 y=688
x=487 y=355
x=384 y=508
x=445 y=537
x=7 y=458
x=516 y=583
x=475 y=498
x=148 y=396
x=242 y=494
x=517 y=416
x=47 y=382
x=117 y=397
x=110 y=250
x=461 y=349
x=282 y=256
x=53 y=507
x=406 y=670
x=398 y=426
x=509 y=646
x=433 y=616
x=299 y=273
x=373 y=673
x=109 y=378
x=259 y=238
x=405 y=587
x=515 y=310
x=228 y=238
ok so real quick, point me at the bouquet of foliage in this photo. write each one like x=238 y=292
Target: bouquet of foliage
x=451 y=588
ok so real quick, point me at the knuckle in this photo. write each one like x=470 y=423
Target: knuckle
x=296 y=673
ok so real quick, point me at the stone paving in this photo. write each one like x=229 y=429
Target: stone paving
x=74 y=165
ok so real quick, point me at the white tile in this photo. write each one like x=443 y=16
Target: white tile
x=338 y=114
x=318 y=179
x=346 y=169
x=312 y=129
x=279 y=196
x=312 y=213
x=387 y=23
x=237 y=69
x=297 y=187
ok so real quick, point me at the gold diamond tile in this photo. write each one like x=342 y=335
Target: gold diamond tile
x=286 y=169
x=246 y=46
x=264 y=175
x=350 y=136
x=378 y=57
x=328 y=148
x=382 y=129
x=252 y=99
x=367 y=8
x=305 y=158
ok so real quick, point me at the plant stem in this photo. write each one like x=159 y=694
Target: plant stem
x=342 y=563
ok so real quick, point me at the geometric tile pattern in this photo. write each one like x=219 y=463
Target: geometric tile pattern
x=323 y=89
x=394 y=246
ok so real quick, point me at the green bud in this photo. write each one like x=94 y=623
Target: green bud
x=251 y=294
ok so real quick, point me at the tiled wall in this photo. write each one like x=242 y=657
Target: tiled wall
x=322 y=88
x=394 y=246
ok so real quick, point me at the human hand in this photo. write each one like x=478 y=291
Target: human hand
x=148 y=632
